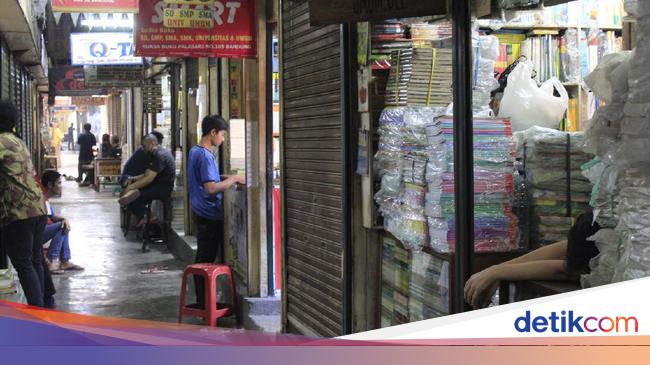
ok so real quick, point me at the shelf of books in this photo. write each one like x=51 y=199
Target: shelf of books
x=566 y=42
x=418 y=285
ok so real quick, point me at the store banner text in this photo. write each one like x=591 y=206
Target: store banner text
x=232 y=34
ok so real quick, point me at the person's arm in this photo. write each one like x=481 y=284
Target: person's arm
x=481 y=286
x=544 y=263
x=142 y=180
x=64 y=222
x=554 y=251
x=213 y=188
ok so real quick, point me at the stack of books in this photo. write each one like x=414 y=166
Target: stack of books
x=7 y=282
x=431 y=79
x=385 y=39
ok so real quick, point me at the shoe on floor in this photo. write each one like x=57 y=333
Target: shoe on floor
x=129 y=197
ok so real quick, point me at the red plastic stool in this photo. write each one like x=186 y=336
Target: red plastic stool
x=211 y=313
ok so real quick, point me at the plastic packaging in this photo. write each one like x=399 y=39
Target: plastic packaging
x=428 y=287
x=528 y=105
x=609 y=80
x=634 y=210
x=637 y=8
x=604 y=129
x=570 y=61
x=603 y=266
x=486 y=52
x=557 y=189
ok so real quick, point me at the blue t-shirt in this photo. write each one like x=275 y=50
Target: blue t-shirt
x=203 y=168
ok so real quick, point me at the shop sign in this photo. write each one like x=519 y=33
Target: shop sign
x=349 y=11
x=65 y=108
x=69 y=81
x=152 y=98
x=95 y=6
x=188 y=18
x=233 y=34
x=88 y=100
x=103 y=49
x=114 y=76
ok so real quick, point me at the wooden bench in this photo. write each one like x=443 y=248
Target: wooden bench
x=51 y=162
x=107 y=172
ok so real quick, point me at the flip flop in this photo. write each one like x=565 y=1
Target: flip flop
x=57 y=272
x=154 y=270
x=70 y=266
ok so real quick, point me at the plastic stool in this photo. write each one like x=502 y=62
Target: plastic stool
x=211 y=313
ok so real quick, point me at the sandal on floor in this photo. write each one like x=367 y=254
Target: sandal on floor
x=70 y=266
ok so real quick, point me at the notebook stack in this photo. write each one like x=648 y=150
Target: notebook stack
x=552 y=160
x=430 y=83
x=494 y=225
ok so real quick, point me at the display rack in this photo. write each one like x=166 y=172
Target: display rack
x=579 y=89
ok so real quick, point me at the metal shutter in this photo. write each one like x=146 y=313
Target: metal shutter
x=5 y=74
x=12 y=79
x=313 y=174
x=192 y=73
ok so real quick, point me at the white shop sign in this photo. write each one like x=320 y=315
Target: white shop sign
x=103 y=49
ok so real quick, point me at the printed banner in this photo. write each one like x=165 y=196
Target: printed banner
x=231 y=36
x=69 y=81
x=95 y=6
x=103 y=49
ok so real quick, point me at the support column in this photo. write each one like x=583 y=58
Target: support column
x=463 y=150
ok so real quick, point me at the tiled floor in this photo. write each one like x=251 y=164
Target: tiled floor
x=112 y=284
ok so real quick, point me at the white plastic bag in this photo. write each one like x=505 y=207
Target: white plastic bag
x=528 y=105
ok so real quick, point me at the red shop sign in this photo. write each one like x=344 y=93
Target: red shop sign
x=94 y=6
x=233 y=34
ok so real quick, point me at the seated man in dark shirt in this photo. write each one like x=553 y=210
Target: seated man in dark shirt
x=138 y=162
x=157 y=182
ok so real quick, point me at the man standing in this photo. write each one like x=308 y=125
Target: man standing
x=71 y=137
x=57 y=139
x=157 y=182
x=206 y=195
x=86 y=142
x=22 y=208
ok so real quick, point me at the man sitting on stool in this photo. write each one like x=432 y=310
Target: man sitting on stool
x=157 y=182
x=139 y=161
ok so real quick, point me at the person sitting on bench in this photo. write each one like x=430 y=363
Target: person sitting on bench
x=57 y=228
x=156 y=183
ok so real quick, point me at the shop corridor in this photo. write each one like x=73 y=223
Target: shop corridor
x=112 y=283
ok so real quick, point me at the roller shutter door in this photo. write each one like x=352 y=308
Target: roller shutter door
x=313 y=175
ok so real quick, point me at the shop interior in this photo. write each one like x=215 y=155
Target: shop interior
x=535 y=169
